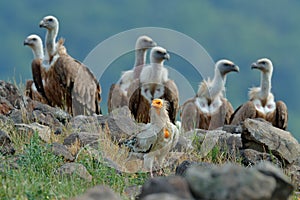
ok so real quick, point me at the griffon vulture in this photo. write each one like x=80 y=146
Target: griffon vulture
x=118 y=92
x=158 y=138
x=153 y=83
x=67 y=83
x=34 y=88
x=209 y=109
x=261 y=102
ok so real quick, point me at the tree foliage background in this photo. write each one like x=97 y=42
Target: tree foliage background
x=241 y=31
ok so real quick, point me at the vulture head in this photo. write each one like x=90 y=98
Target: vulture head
x=144 y=42
x=49 y=22
x=264 y=65
x=36 y=44
x=158 y=55
x=226 y=66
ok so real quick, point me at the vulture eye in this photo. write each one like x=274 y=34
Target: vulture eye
x=227 y=64
x=263 y=62
x=50 y=20
x=34 y=39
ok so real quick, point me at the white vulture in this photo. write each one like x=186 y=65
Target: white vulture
x=118 y=92
x=153 y=83
x=261 y=102
x=157 y=139
x=209 y=109
x=67 y=82
x=34 y=92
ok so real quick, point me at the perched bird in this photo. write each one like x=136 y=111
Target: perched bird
x=153 y=83
x=67 y=82
x=118 y=92
x=261 y=102
x=34 y=88
x=209 y=109
x=158 y=137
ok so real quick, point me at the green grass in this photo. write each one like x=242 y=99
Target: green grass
x=36 y=176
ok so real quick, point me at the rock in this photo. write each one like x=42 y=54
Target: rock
x=17 y=116
x=206 y=140
x=82 y=123
x=78 y=169
x=84 y=139
x=6 y=145
x=99 y=192
x=46 y=115
x=10 y=93
x=5 y=106
x=234 y=129
x=294 y=173
x=120 y=124
x=162 y=196
x=284 y=188
x=229 y=182
x=62 y=151
x=251 y=157
x=183 y=145
x=185 y=165
x=44 y=132
x=263 y=137
x=174 y=185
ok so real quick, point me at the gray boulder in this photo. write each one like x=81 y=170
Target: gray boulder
x=263 y=137
x=235 y=182
x=99 y=192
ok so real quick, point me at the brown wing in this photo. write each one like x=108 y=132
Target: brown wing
x=222 y=116
x=116 y=98
x=279 y=118
x=133 y=95
x=189 y=115
x=246 y=110
x=172 y=96
x=86 y=93
x=37 y=72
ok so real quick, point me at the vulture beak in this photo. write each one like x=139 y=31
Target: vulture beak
x=42 y=24
x=235 y=68
x=26 y=42
x=256 y=66
x=153 y=44
x=167 y=56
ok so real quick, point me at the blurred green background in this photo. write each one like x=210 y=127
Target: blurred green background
x=241 y=31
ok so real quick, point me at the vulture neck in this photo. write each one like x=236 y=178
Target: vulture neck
x=140 y=60
x=217 y=85
x=38 y=52
x=265 y=85
x=50 y=41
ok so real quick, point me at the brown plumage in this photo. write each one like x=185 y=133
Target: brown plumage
x=118 y=92
x=67 y=82
x=153 y=83
x=209 y=109
x=35 y=89
x=261 y=102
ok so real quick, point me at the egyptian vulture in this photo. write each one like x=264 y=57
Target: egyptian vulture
x=209 y=109
x=158 y=137
x=118 y=92
x=67 y=82
x=153 y=83
x=261 y=102
x=34 y=92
